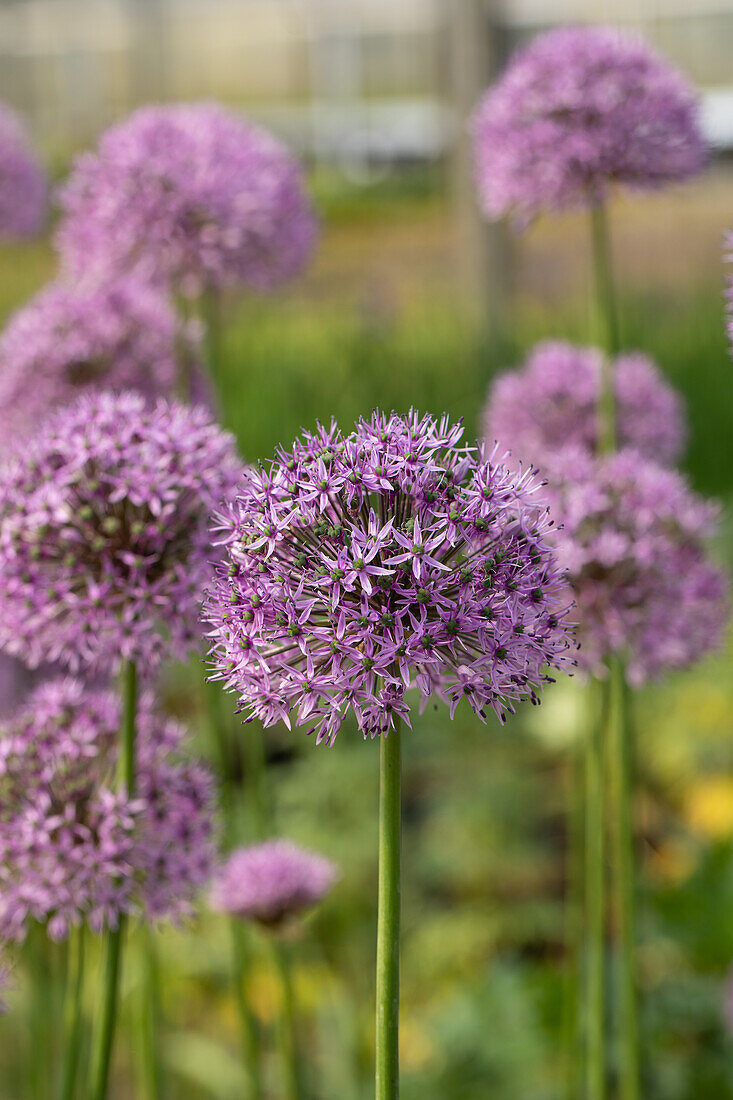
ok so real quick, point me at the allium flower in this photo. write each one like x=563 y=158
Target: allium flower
x=72 y=848
x=578 y=110
x=552 y=402
x=71 y=339
x=190 y=195
x=360 y=565
x=104 y=547
x=631 y=535
x=272 y=881
x=23 y=184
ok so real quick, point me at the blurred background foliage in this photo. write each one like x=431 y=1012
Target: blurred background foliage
x=379 y=321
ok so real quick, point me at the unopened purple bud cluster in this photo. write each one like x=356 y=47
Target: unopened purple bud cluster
x=74 y=849
x=360 y=565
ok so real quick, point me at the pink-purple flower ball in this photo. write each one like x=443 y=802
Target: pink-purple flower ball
x=632 y=537
x=272 y=881
x=578 y=111
x=104 y=543
x=23 y=183
x=188 y=195
x=360 y=565
x=552 y=403
x=73 y=849
x=82 y=338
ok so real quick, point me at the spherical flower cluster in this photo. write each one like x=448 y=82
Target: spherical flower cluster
x=578 y=110
x=72 y=848
x=360 y=565
x=272 y=881
x=72 y=339
x=23 y=183
x=104 y=546
x=552 y=402
x=631 y=536
x=190 y=195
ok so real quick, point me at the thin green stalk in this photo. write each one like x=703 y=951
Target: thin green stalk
x=74 y=1015
x=388 y=916
x=211 y=316
x=248 y=1026
x=595 y=912
x=607 y=322
x=151 y=1076
x=624 y=875
x=38 y=953
x=104 y=1038
x=291 y=1076
x=574 y=922
x=624 y=882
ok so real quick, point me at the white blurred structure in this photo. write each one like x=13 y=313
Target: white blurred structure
x=353 y=80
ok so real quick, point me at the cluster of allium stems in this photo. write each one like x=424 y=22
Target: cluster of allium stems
x=363 y=564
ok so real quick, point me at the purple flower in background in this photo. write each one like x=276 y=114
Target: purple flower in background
x=73 y=339
x=189 y=195
x=578 y=110
x=360 y=565
x=104 y=544
x=23 y=183
x=71 y=848
x=271 y=881
x=631 y=536
x=552 y=403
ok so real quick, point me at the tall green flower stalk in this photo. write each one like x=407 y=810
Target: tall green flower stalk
x=104 y=1038
x=620 y=779
x=388 y=915
x=74 y=1015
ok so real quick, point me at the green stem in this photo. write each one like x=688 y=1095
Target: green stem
x=595 y=883
x=574 y=922
x=74 y=1015
x=211 y=316
x=607 y=322
x=624 y=883
x=151 y=1084
x=104 y=1039
x=249 y=1030
x=292 y=1086
x=388 y=917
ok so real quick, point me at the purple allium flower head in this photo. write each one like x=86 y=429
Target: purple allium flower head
x=360 y=565
x=271 y=881
x=578 y=110
x=190 y=195
x=23 y=183
x=631 y=536
x=104 y=546
x=552 y=403
x=72 y=848
x=73 y=339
